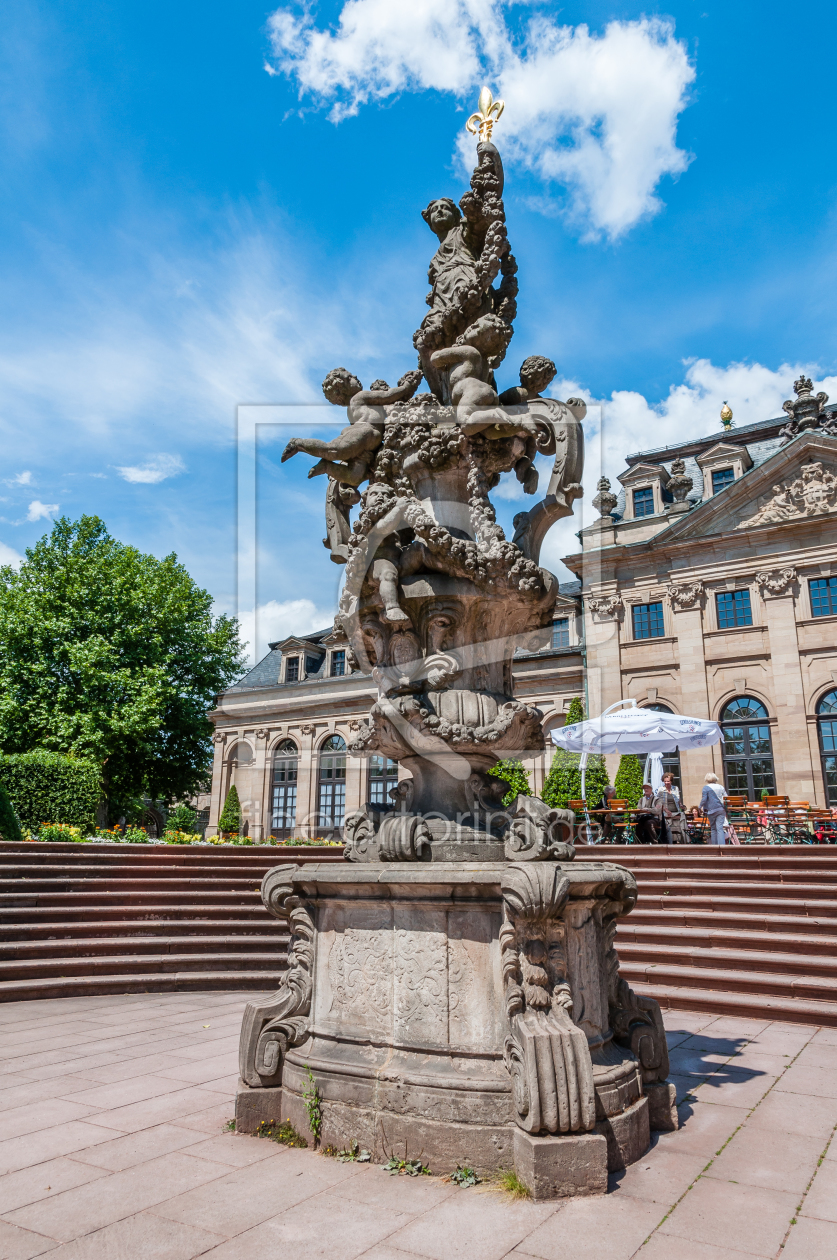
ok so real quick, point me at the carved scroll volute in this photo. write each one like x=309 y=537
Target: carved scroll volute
x=270 y=1027
x=546 y=1055
x=537 y=832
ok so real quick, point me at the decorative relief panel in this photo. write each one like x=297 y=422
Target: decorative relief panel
x=606 y=606
x=814 y=493
x=685 y=595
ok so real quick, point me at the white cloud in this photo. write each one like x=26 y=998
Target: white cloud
x=277 y=619
x=41 y=511
x=9 y=556
x=22 y=479
x=594 y=113
x=160 y=468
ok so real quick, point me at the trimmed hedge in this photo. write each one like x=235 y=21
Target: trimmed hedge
x=230 y=819
x=50 y=787
x=9 y=825
x=628 y=781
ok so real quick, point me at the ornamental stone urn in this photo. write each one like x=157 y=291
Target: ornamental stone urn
x=454 y=988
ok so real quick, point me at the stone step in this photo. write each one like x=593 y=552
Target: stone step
x=753 y=878
x=711 y=937
x=155 y=982
x=85 y=947
x=809 y=988
x=685 y=915
x=129 y=965
x=207 y=924
x=675 y=885
x=130 y=914
x=750 y=1005
x=138 y=898
x=822 y=908
x=120 y=887
x=726 y=958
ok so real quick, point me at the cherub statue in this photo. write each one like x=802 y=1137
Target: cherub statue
x=347 y=457
x=477 y=405
x=564 y=419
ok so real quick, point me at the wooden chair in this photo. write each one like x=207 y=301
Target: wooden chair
x=776 y=802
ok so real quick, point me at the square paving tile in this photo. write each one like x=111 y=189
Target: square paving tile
x=743 y=1218
x=166 y=1107
x=237 y=1150
x=29 y=1185
x=819 y=1082
x=821 y=1199
x=704 y=1128
x=139 y=1147
x=773 y=1160
x=346 y=1230
x=34 y=1148
x=80 y=1211
x=140 y=1237
x=22 y=1244
x=810 y=1240
x=661 y=1176
x=738 y=1087
x=484 y=1225
x=796 y=1113
x=593 y=1228
x=666 y=1247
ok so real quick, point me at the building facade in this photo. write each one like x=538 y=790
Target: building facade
x=708 y=587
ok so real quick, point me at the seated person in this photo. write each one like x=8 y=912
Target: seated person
x=649 y=824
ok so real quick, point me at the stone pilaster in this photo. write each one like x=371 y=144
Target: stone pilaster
x=306 y=786
x=686 y=601
x=795 y=775
x=216 y=803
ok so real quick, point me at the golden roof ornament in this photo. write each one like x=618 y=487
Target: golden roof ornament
x=726 y=415
x=488 y=111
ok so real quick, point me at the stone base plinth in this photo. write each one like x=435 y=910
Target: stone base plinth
x=662 y=1109
x=443 y=1011
x=628 y=1135
x=252 y=1106
x=559 y=1167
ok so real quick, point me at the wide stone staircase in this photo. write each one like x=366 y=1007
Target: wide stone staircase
x=748 y=931
x=81 y=919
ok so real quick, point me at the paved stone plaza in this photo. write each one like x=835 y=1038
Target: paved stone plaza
x=113 y=1147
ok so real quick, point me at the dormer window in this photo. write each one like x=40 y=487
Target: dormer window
x=561 y=632
x=292 y=669
x=338 y=664
x=644 y=501
x=721 y=478
x=311 y=665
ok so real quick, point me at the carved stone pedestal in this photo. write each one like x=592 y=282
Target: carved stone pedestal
x=459 y=1013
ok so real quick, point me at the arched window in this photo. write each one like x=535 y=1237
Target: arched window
x=748 y=750
x=827 y=726
x=285 y=774
x=241 y=754
x=331 y=795
x=671 y=760
x=383 y=776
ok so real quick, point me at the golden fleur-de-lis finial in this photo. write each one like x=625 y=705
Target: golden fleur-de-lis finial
x=488 y=111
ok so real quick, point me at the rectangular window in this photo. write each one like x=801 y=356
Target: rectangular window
x=721 y=478
x=292 y=669
x=733 y=609
x=311 y=665
x=823 y=596
x=561 y=632
x=648 y=621
x=644 y=501
x=338 y=664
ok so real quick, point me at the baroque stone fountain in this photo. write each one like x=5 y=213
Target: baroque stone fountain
x=454 y=988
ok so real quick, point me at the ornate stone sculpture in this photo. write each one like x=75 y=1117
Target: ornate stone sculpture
x=778 y=581
x=605 y=501
x=453 y=986
x=814 y=493
x=606 y=606
x=678 y=483
x=685 y=594
x=805 y=411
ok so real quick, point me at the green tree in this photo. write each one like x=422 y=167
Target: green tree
x=575 y=713
x=114 y=656
x=9 y=825
x=515 y=775
x=563 y=783
x=629 y=780
x=47 y=787
x=230 y=820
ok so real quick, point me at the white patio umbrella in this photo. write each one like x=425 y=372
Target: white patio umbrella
x=634 y=730
x=654 y=770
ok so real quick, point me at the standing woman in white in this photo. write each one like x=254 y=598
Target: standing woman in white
x=712 y=804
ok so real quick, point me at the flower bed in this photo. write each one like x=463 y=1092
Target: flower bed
x=64 y=833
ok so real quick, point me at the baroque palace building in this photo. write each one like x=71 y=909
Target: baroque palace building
x=708 y=587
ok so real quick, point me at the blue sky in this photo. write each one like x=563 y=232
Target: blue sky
x=183 y=231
